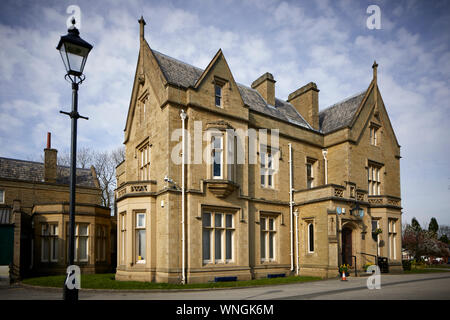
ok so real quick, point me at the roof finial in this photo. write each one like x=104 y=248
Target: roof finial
x=374 y=67
x=142 y=24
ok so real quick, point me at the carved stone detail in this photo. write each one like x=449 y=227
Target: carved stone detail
x=141 y=188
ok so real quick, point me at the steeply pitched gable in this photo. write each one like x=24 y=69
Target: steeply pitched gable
x=340 y=114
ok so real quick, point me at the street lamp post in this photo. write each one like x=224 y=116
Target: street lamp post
x=74 y=52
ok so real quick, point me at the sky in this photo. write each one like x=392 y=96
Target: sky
x=327 y=42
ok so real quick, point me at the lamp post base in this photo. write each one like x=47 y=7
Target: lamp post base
x=70 y=294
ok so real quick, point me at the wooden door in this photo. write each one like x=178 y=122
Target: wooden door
x=347 y=246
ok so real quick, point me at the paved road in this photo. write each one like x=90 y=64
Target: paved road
x=434 y=286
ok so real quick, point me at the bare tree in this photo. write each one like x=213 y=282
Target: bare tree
x=85 y=158
x=104 y=162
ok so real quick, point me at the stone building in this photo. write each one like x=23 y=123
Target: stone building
x=34 y=201
x=322 y=183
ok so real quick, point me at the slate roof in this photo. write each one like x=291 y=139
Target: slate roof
x=184 y=75
x=34 y=172
x=340 y=114
x=334 y=117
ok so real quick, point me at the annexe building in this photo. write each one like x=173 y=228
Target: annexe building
x=34 y=202
x=322 y=188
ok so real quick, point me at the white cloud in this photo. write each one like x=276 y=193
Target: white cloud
x=322 y=41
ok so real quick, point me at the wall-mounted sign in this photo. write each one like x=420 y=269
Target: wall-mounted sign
x=338 y=210
x=361 y=213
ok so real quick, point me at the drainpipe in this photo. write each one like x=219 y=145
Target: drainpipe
x=324 y=153
x=183 y=239
x=296 y=243
x=290 y=205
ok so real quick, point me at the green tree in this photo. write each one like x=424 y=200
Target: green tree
x=415 y=225
x=444 y=239
x=433 y=227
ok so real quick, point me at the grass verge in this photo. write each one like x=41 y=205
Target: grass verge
x=107 y=281
x=439 y=266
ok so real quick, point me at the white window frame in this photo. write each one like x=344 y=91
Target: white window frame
x=215 y=150
x=144 y=162
x=139 y=227
x=267 y=158
x=218 y=96
x=378 y=236
x=265 y=232
x=50 y=235
x=231 y=156
x=77 y=242
x=310 y=179
x=123 y=231
x=224 y=231
x=374 y=180
x=374 y=136
x=392 y=233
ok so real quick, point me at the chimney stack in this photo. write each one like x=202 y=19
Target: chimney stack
x=50 y=161
x=265 y=85
x=306 y=101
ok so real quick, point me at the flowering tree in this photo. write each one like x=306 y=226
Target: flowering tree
x=421 y=242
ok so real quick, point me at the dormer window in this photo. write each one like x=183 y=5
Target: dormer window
x=218 y=95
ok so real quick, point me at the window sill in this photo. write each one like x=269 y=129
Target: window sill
x=268 y=262
x=218 y=263
x=268 y=188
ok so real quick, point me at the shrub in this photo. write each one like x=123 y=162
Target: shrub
x=367 y=265
x=406 y=265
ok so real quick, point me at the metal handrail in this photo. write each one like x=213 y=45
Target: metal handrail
x=372 y=255
x=356 y=273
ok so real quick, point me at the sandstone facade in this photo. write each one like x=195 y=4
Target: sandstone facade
x=238 y=221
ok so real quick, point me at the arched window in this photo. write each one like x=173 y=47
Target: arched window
x=310 y=237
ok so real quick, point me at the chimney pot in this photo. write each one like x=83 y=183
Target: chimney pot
x=49 y=140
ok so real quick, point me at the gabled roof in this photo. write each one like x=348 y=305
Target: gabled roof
x=31 y=171
x=177 y=72
x=340 y=114
x=185 y=75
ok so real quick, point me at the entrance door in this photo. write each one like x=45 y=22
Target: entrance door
x=347 y=246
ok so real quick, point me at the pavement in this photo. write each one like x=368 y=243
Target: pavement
x=429 y=286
